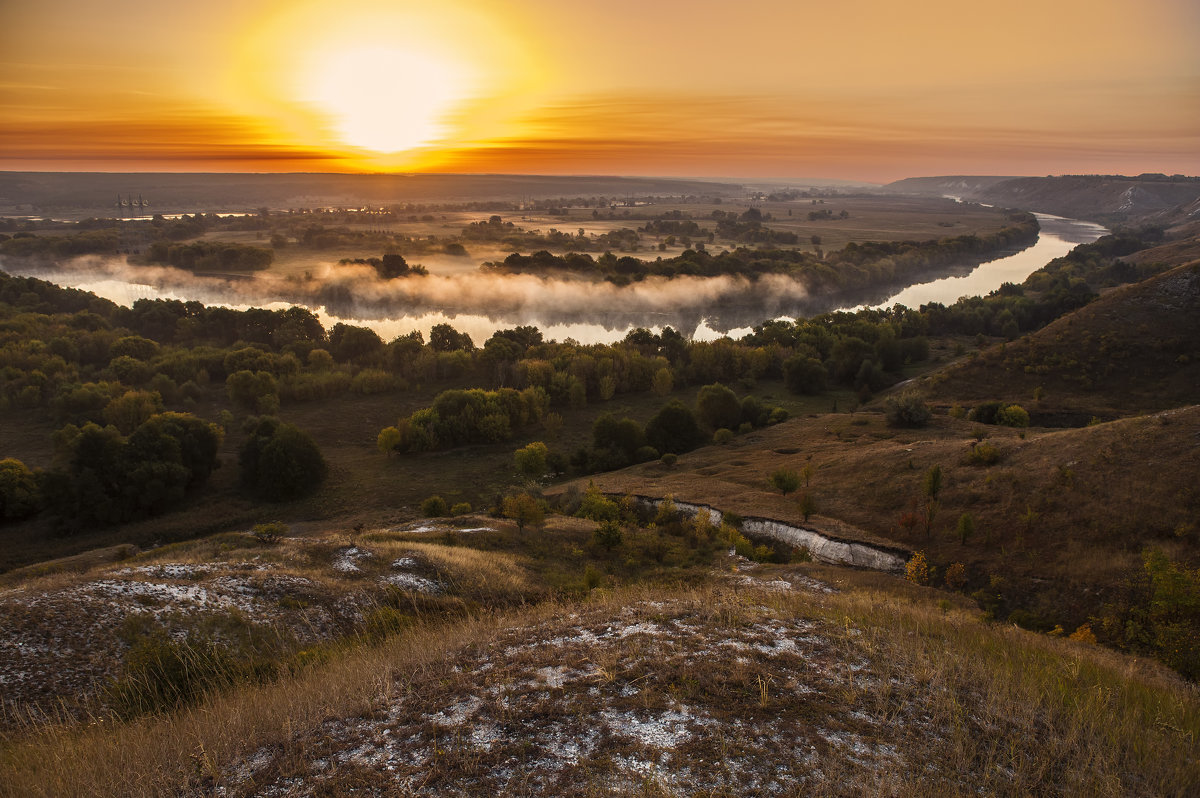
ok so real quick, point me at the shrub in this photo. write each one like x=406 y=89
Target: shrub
x=785 y=480
x=607 y=535
x=907 y=410
x=983 y=454
x=917 y=569
x=956 y=576
x=460 y=508
x=808 y=505
x=669 y=459
x=1013 y=416
x=778 y=415
x=722 y=436
x=966 y=527
x=597 y=506
x=271 y=532
x=434 y=507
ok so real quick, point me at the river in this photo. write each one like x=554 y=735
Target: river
x=588 y=312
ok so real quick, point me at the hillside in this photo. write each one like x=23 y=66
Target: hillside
x=1109 y=199
x=774 y=680
x=1134 y=349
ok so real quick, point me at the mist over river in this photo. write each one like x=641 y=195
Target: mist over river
x=589 y=312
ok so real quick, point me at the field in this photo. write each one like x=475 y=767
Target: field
x=871 y=218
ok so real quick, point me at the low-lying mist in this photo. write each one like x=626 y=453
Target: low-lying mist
x=353 y=292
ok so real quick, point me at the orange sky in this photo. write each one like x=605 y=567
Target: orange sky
x=859 y=89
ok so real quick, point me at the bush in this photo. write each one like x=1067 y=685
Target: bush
x=722 y=436
x=460 y=508
x=669 y=459
x=983 y=454
x=785 y=480
x=907 y=410
x=917 y=569
x=271 y=532
x=1013 y=416
x=956 y=576
x=434 y=507
x=608 y=535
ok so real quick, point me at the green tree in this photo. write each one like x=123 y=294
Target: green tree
x=907 y=410
x=608 y=535
x=663 y=382
x=785 y=480
x=524 y=510
x=674 y=429
x=966 y=528
x=932 y=488
x=279 y=461
x=434 y=507
x=804 y=375
x=531 y=460
x=717 y=407
x=20 y=496
x=388 y=440
x=1013 y=416
x=808 y=505
x=128 y=411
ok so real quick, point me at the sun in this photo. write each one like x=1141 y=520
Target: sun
x=386 y=99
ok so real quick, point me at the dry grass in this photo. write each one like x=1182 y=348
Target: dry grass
x=1099 y=494
x=709 y=691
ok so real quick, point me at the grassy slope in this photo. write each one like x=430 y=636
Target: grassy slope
x=1135 y=349
x=870 y=690
x=1099 y=494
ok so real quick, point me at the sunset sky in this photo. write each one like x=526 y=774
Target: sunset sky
x=859 y=89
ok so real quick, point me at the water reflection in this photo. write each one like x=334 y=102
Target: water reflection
x=585 y=311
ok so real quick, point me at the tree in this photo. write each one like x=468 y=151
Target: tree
x=523 y=510
x=966 y=528
x=803 y=374
x=718 y=407
x=907 y=410
x=388 y=440
x=444 y=338
x=674 y=429
x=932 y=488
x=531 y=460
x=349 y=343
x=663 y=382
x=434 y=507
x=785 y=480
x=279 y=461
x=20 y=496
x=1013 y=416
x=131 y=409
x=917 y=569
x=608 y=535
x=251 y=388
x=808 y=505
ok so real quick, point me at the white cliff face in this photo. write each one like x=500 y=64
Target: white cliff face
x=823 y=548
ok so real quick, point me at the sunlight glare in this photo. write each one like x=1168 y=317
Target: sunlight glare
x=386 y=99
